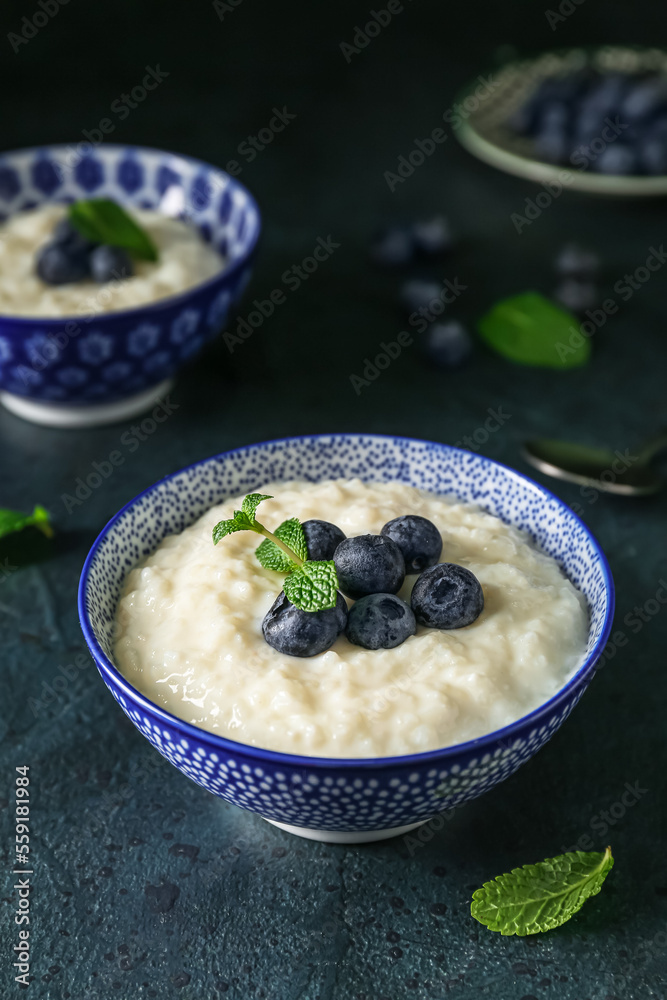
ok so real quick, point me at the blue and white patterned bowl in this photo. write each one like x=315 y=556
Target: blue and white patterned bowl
x=88 y=363
x=342 y=800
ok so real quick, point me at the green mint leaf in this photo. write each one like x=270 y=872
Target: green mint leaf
x=313 y=586
x=14 y=520
x=240 y=522
x=252 y=502
x=104 y=221
x=531 y=330
x=291 y=533
x=540 y=897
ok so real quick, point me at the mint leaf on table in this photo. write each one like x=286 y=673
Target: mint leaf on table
x=531 y=330
x=105 y=221
x=271 y=557
x=14 y=520
x=540 y=897
x=313 y=586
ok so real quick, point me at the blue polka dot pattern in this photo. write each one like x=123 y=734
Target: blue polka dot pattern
x=318 y=793
x=148 y=343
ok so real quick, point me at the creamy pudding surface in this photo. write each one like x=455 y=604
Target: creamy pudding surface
x=190 y=634
x=184 y=260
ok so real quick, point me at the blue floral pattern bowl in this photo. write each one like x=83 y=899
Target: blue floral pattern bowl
x=84 y=364
x=342 y=800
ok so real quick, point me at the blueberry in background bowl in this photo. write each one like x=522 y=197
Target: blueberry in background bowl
x=101 y=367
x=344 y=800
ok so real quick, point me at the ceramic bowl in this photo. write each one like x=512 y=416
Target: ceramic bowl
x=342 y=800
x=91 y=369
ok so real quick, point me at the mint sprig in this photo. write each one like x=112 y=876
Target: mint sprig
x=539 y=897
x=15 y=520
x=531 y=330
x=104 y=221
x=310 y=584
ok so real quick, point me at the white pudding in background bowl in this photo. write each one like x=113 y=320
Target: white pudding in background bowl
x=184 y=260
x=190 y=634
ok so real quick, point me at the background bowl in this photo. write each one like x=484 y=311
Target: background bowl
x=342 y=800
x=108 y=366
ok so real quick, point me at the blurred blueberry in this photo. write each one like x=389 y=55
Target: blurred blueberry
x=419 y=293
x=574 y=261
x=432 y=237
x=66 y=234
x=110 y=263
x=616 y=160
x=56 y=265
x=576 y=296
x=447 y=345
x=644 y=99
x=394 y=247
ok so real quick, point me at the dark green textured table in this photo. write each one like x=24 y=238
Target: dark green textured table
x=144 y=885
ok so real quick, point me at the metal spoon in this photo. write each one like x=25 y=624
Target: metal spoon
x=627 y=473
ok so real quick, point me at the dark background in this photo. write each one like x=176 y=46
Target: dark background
x=146 y=885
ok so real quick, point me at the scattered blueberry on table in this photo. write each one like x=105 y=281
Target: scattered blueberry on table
x=447 y=345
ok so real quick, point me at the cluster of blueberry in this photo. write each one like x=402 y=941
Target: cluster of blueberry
x=611 y=122
x=371 y=569
x=69 y=257
x=446 y=344
x=577 y=270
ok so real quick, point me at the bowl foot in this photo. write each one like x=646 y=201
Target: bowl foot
x=90 y=415
x=351 y=837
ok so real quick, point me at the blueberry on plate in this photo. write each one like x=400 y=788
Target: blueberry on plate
x=393 y=247
x=322 y=538
x=574 y=261
x=380 y=621
x=109 y=263
x=418 y=539
x=577 y=296
x=369 y=564
x=432 y=237
x=58 y=264
x=447 y=596
x=303 y=633
x=447 y=345
x=619 y=160
x=419 y=293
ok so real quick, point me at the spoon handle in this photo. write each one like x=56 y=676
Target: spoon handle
x=653 y=447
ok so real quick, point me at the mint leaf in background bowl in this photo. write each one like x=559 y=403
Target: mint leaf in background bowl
x=104 y=221
x=540 y=897
x=530 y=330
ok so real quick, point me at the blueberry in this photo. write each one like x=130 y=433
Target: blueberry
x=420 y=294
x=432 y=237
x=322 y=538
x=644 y=99
x=393 y=247
x=380 y=621
x=67 y=234
x=447 y=345
x=369 y=564
x=574 y=261
x=617 y=159
x=58 y=265
x=577 y=296
x=418 y=539
x=303 y=633
x=110 y=263
x=447 y=596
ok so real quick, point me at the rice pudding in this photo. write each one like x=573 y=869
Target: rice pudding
x=184 y=260
x=189 y=634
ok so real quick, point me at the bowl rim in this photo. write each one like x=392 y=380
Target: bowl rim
x=278 y=757
x=168 y=301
